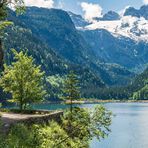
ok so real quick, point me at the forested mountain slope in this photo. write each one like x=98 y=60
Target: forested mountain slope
x=137 y=89
x=51 y=38
x=55 y=29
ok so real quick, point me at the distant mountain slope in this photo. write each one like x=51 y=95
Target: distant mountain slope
x=123 y=51
x=119 y=39
x=135 y=90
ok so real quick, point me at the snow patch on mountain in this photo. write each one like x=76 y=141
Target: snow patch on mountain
x=128 y=26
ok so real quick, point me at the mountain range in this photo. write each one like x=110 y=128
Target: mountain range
x=120 y=39
x=103 y=53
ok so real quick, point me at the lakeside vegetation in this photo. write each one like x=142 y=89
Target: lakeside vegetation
x=75 y=130
x=78 y=125
x=24 y=82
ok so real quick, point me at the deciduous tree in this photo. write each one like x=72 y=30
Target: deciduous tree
x=23 y=79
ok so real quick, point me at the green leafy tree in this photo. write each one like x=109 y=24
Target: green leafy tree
x=18 y=5
x=77 y=126
x=100 y=121
x=23 y=79
x=71 y=89
x=87 y=124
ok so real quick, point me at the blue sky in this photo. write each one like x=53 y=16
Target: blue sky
x=87 y=6
x=116 y=5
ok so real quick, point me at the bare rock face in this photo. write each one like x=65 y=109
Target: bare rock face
x=142 y=12
x=111 y=15
x=132 y=12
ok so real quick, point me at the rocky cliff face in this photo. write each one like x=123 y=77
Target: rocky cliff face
x=142 y=12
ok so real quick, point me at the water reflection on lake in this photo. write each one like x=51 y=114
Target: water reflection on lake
x=129 y=127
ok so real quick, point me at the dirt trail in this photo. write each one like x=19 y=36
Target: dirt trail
x=9 y=119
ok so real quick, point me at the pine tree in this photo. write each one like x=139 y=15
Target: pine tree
x=71 y=89
x=23 y=79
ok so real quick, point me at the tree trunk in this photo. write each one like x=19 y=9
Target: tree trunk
x=1 y=56
x=71 y=106
x=21 y=106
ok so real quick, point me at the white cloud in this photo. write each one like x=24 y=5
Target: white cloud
x=145 y=2
x=61 y=4
x=91 y=10
x=40 y=3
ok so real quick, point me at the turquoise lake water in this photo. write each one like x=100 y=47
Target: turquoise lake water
x=129 y=126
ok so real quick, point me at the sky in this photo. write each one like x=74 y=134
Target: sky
x=87 y=8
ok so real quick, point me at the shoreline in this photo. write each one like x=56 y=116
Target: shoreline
x=97 y=101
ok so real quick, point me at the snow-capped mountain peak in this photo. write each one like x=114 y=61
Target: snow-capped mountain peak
x=121 y=39
x=132 y=24
x=128 y=26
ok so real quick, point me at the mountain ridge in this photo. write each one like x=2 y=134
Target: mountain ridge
x=142 y=12
x=122 y=41
x=61 y=35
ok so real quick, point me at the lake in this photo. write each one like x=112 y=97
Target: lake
x=129 y=126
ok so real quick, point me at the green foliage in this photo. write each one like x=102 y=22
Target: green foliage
x=56 y=82
x=3 y=25
x=137 y=89
x=100 y=122
x=54 y=66
x=71 y=89
x=20 y=136
x=51 y=135
x=85 y=124
x=38 y=136
x=18 y=5
x=142 y=93
x=76 y=124
x=23 y=79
